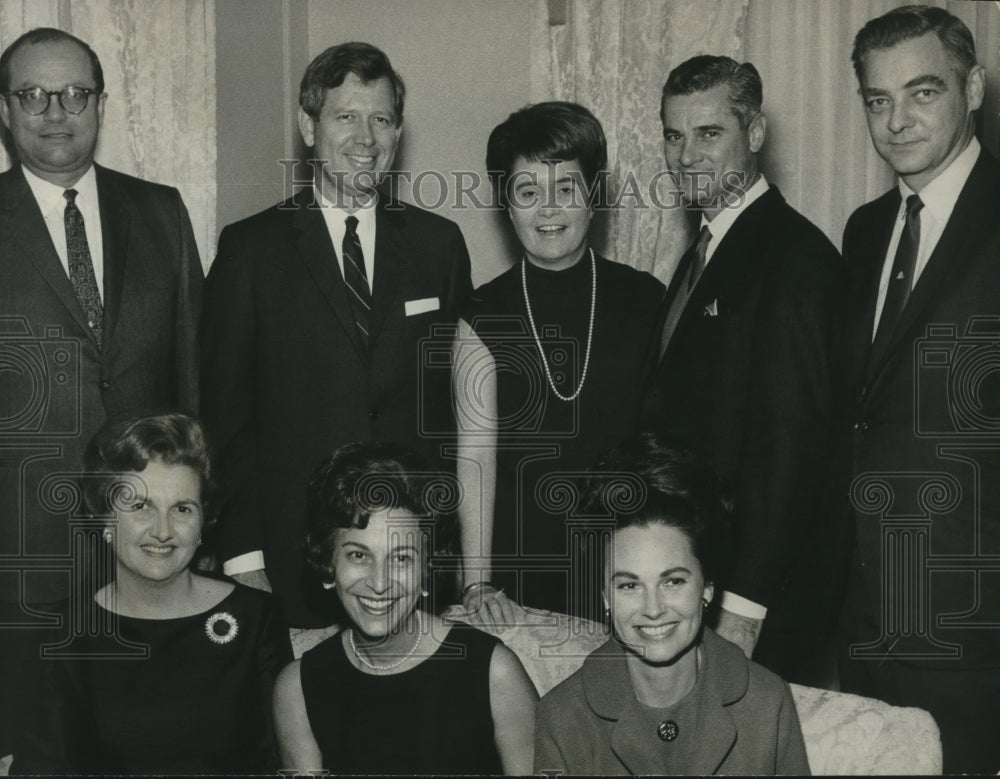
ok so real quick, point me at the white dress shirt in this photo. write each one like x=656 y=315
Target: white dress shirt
x=939 y=198
x=52 y=203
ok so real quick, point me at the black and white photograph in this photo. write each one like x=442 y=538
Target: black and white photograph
x=538 y=387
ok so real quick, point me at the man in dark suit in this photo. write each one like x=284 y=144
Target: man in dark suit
x=320 y=316
x=922 y=444
x=100 y=292
x=746 y=368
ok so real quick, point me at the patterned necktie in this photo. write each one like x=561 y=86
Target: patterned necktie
x=700 y=255
x=357 y=279
x=903 y=268
x=81 y=268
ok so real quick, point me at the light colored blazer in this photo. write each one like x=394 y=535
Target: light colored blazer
x=738 y=719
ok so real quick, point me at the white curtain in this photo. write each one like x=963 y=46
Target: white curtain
x=159 y=71
x=614 y=55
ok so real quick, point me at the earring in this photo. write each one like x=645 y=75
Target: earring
x=704 y=603
x=329 y=585
x=424 y=593
x=107 y=536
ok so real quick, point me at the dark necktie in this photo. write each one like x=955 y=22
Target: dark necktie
x=903 y=268
x=356 y=278
x=700 y=256
x=81 y=268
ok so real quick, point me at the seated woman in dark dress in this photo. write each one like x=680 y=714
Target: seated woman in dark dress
x=665 y=695
x=174 y=671
x=549 y=366
x=399 y=691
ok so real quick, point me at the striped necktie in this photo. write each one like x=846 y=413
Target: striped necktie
x=357 y=279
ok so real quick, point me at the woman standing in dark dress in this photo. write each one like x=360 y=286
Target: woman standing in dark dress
x=179 y=680
x=549 y=367
x=399 y=691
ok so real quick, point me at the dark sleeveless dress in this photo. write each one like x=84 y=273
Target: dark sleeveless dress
x=433 y=719
x=542 y=556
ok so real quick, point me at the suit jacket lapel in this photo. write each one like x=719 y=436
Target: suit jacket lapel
x=974 y=212
x=391 y=252
x=316 y=250
x=116 y=224
x=33 y=241
x=869 y=270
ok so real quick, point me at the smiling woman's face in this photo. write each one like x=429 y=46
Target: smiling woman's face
x=378 y=571
x=654 y=587
x=548 y=206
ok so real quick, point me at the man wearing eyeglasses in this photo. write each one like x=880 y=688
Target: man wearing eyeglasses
x=100 y=291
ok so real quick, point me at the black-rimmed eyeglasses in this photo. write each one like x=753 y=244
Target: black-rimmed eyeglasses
x=35 y=100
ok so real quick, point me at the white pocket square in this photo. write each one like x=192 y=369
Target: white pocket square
x=712 y=309
x=422 y=306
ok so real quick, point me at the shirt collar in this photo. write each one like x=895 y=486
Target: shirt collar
x=941 y=194
x=365 y=215
x=727 y=217
x=49 y=196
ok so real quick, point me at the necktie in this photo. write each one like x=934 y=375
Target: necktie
x=700 y=255
x=356 y=278
x=691 y=265
x=903 y=268
x=81 y=268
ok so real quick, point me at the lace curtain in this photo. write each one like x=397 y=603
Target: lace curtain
x=159 y=71
x=613 y=57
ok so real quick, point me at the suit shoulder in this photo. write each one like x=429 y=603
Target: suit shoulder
x=631 y=281
x=864 y=215
x=414 y=219
x=135 y=184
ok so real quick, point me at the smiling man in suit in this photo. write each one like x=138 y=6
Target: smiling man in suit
x=746 y=371
x=922 y=442
x=100 y=293
x=314 y=317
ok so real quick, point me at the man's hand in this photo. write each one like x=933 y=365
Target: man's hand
x=256 y=579
x=489 y=609
x=742 y=631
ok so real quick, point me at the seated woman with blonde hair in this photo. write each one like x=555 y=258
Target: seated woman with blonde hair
x=665 y=695
x=398 y=691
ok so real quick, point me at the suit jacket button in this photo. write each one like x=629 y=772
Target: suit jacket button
x=105 y=385
x=861 y=427
x=667 y=730
x=374 y=413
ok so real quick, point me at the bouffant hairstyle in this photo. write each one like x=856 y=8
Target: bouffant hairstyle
x=647 y=480
x=556 y=131
x=126 y=444
x=361 y=479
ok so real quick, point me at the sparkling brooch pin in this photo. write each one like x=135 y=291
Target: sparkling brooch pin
x=221 y=627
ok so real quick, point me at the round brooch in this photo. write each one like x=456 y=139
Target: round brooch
x=221 y=627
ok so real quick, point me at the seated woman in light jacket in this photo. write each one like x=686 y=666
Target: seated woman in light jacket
x=665 y=695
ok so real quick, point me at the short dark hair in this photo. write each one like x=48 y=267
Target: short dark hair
x=914 y=21
x=48 y=35
x=648 y=480
x=126 y=444
x=704 y=72
x=329 y=69
x=363 y=478
x=557 y=131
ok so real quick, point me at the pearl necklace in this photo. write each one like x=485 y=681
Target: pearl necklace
x=403 y=659
x=590 y=328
